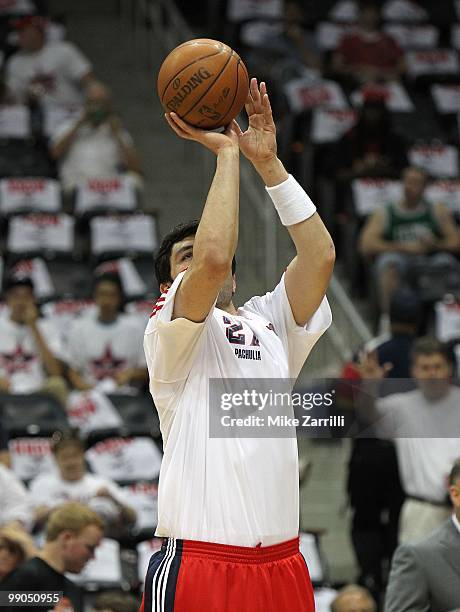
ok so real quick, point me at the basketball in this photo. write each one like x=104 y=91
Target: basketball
x=205 y=82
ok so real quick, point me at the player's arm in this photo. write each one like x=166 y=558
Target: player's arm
x=308 y=274
x=217 y=234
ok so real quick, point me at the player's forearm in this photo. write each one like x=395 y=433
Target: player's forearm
x=217 y=235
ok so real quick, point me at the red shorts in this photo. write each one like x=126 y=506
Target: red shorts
x=190 y=576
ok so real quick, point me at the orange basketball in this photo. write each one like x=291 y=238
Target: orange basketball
x=204 y=82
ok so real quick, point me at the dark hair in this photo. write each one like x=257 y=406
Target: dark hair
x=116 y=601
x=454 y=473
x=365 y=4
x=67 y=437
x=109 y=277
x=428 y=345
x=163 y=256
x=13 y=547
x=406 y=307
x=12 y=282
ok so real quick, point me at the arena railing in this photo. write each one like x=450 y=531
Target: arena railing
x=263 y=244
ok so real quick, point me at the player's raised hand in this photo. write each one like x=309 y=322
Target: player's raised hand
x=258 y=142
x=214 y=141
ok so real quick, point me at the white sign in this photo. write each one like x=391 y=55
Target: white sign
x=125 y=458
x=91 y=411
x=303 y=95
x=328 y=35
x=330 y=125
x=446 y=98
x=414 y=37
x=110 y=193
x=372 y=193
x=131 y=281
x=403 y=10
x=447 y=192
x=344 y=11
x=37 y=270
x=396 y=98
x=145 y=550
x=29 y=194
x=447 y=321
x=438 y=160
x=143 y=497
x=104 y=568
x=135 y=233
x=239 y=10
x=435 y=61
x=30 y=457
x=14 y=121
x=259 y=33
x=37 y=232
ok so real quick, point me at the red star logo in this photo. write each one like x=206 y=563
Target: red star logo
x=17 y=361
x=107 y=366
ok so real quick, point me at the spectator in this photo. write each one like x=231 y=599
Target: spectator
x=370 y=147
x=30 y=346
x=16 y=505
x=96 y=144
x=374 y=486
x=73 y=482
x=353 y=598
x=425 y=574
x=54 y=73
x=367 y=54
x=73 y=533
x=407 y=232
x=115 y=601
x=106 y=349
x=15 y=547
x=425 y=426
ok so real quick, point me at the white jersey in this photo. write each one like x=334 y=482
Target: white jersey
x=100 y=351
x=20 y=361
x=57 y=67
x=240 y=491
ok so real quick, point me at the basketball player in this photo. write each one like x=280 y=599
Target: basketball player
x=229 y=508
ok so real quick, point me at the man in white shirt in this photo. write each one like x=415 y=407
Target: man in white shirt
x=55 y=72
x=95 y=145
x=31 y=351
x=72 y=482
x=425 y=575
x=425 y=425
x=229 y=506
x=105 y=349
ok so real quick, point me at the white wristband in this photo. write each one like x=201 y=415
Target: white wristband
x=291 y=202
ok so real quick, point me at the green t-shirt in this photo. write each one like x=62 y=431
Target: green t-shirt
x=411 y=225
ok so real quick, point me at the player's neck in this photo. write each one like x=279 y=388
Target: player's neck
x=230 y=308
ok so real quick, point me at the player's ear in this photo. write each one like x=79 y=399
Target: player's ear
x=165 y=286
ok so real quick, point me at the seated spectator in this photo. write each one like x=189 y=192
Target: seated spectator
x=353 y=598
x=425 y=427
x=115 y=601
x=73 y=533
x=16 y=504
x=425 y=574
x=96 y=144
x=52 y=72
x=367 y=54
x=407 y=232
x=30 y=346
x=370 y=147
x=73 y=482
x=16 y=546
x=106 y=350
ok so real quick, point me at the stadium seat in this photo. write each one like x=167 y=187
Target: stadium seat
x=138 y=413
x=36 y=413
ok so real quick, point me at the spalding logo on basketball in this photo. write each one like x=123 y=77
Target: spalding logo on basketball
x=205 y=82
